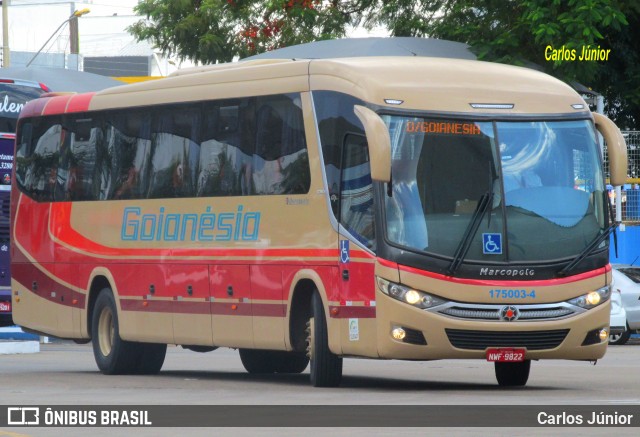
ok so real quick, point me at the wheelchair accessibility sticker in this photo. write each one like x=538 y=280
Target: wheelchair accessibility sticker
x=492 y=244
x=344 y=251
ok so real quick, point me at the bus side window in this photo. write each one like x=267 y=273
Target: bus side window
x=130 y=141
x=176 y=151
x=213 y=156
x=356 y=186
x=41 y=164
x=222 y=158
x=335 y=115
x=78 y=161
x=23 y=153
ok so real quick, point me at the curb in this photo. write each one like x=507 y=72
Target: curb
x=19 y=347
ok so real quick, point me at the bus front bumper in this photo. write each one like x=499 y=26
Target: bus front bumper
x=431 y=336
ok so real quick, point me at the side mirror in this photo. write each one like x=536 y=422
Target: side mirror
x=378 y=141
x=616 y=148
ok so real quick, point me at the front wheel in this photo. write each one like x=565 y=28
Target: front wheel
x=513 y=374
x=325 y=366
x=620 y=339
x=267 y=361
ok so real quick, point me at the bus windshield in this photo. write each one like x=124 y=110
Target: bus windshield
x=542 y=178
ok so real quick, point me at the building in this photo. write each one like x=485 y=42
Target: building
x=103 y=45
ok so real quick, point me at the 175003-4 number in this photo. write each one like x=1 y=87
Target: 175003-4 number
x=511 y=294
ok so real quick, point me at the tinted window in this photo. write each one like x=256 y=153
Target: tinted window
x=250 y=146
x=128 y=138
x=336 y=119
x=176 y=150
x=12 y=99
x=356 y=188
x=37 y=157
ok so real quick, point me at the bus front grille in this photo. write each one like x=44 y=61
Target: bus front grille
x=480 y=340
x=492 y=313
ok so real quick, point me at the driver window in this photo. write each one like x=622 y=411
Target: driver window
x=356 y=187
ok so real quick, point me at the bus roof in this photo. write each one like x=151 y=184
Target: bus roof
x=421 y=83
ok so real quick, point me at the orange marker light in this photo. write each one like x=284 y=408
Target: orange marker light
x=234 y=307
x=334 y=311
x=74 y=302
x=145 y=303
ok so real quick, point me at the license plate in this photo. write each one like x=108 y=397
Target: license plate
x=5 y=307
x=510 y=355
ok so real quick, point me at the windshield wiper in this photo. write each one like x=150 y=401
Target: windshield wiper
x=484 y=205
x=594 y=243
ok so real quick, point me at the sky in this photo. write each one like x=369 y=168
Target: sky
x=102 y=31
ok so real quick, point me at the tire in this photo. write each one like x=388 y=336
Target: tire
x=325 y=366
x=257 y=361
x=620 y=339
x=267 y=361
x=113 y=355
x=513 y=374
x=292 y=362
x=150 y=358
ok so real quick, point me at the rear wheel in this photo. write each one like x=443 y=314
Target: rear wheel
x=150 y=358
x=513 y=374
x=620 y=339
x=113 y=355
x=267 y=361
x=326 y=367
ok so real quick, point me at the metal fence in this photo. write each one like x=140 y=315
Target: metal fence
x=630 y=192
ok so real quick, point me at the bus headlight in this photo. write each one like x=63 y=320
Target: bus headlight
x=418 y=299
x=593 y=298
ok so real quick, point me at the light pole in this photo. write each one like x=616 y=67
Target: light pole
x=73 y=16
x=5 y=34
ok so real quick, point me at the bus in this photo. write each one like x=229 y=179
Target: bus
x=303 y=211
x=14 y=94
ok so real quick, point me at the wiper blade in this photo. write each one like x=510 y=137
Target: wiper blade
x=594 y=244
x=588 y=250
x=484 y=205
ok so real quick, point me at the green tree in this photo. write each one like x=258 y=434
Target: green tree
x=509 y=31
x=519 y=32
x=210 y=31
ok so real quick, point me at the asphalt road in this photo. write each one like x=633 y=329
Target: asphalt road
x=66 y=374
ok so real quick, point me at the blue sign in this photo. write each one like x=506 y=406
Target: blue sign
x=344 y=251
x=492 y=244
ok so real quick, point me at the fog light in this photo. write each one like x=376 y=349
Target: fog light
x=603 y=334
x=398 y=334
x=593 y=298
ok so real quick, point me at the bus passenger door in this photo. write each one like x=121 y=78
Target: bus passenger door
x=231 y=313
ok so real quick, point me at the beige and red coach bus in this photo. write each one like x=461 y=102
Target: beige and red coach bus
x=309 y=210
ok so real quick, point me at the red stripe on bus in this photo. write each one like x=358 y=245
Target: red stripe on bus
x=496 y=283
x=80 y=102
x=42 y=285
x=269 y=309
x=165 y=306
x=214 y=308
x=348 y=312
x=34 y=107
x=389 y=264
x=57 y=105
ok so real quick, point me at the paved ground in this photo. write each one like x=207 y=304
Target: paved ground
x=65 y=373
